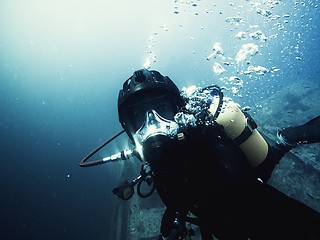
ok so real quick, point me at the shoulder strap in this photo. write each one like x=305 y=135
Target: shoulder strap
x=247 y=131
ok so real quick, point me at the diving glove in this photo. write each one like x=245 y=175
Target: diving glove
x=303 y=134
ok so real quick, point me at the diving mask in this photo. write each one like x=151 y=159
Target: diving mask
x=155 y=125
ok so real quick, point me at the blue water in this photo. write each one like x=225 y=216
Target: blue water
x=62 y=64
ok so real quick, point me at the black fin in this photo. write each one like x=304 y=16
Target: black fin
x=304 y=134
x=314 y=121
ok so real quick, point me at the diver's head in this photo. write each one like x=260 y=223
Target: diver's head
x=145 y=91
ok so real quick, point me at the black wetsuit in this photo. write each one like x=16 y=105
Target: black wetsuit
x=210 y=176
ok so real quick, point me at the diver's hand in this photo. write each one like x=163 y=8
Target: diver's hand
x=173 y=226
x=175 y=234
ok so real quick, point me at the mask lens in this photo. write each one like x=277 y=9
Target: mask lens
x=161 y=104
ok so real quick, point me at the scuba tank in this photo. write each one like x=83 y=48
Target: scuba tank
x=241 y=128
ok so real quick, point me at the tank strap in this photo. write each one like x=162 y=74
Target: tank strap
x=247 y=131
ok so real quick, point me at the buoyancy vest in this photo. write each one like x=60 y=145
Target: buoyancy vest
x=207 y=157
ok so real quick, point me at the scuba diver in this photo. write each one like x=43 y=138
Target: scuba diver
x=209 y=163
x=207 y=157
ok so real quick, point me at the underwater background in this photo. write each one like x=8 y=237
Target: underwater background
x=62 y=64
